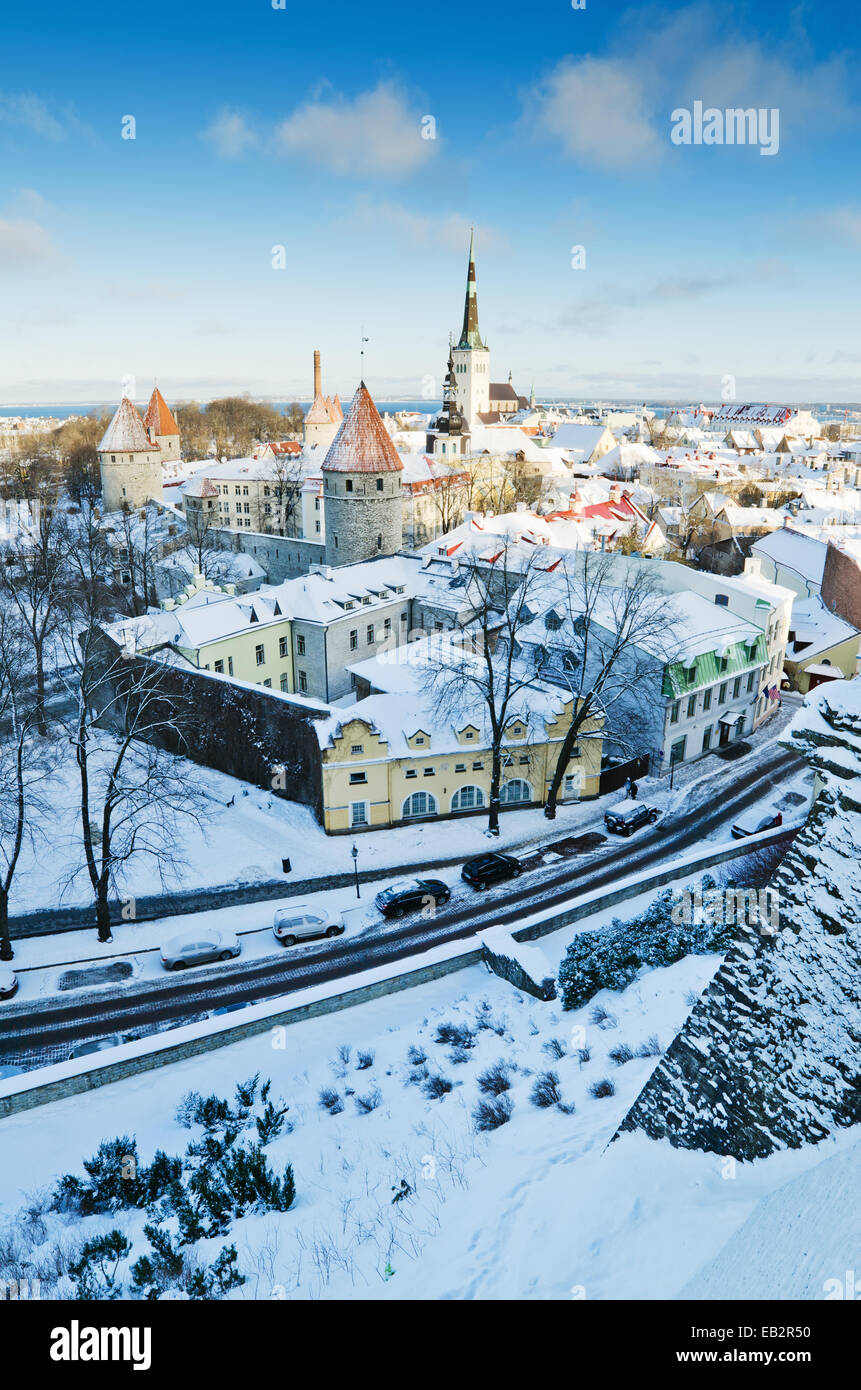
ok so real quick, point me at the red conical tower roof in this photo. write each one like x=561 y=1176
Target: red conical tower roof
x=362 y=444
x=158 y=417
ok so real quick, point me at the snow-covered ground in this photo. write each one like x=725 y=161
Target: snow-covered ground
x=539 y=1208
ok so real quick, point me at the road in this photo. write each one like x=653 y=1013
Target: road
x=46 y=1032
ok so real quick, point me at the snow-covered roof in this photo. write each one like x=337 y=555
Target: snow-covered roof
x=362 y=444
x=789 y=548
x=126 y=434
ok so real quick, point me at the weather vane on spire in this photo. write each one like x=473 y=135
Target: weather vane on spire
x=362 y=341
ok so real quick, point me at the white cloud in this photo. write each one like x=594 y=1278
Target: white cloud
x=448 y=233
x=230 y=134
x=23 y=241
x=375 y=133
x=842 y=222
x=598 y=109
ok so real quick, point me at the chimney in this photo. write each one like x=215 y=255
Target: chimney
x=317 y=386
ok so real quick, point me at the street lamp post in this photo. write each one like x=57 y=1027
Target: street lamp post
x=355 y=854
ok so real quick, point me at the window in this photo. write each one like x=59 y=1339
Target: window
x=357 y=749
x=357 y=777
x=268 y=683
x=478 y=767
x=674 y=712
x=429 y=772
x=751 y=680
x=245 y=492
x=736 y=687
x=260 y=655
x=707 y=701
x=524 y=762
x=722 y=692
x=677 y=752
x=469 y=734
x=265 y=491
x=335 y=539
x=379 y=485
x=516 y=790
x=419 y=804
x=707 y=738
x=460 y=767
x=379 y=542
x=722 y=600
x=354 y=639
x=404 y=616
x=692 y=706
x=300 y=645
x=285 y=683
x=370 y=632
x=387 y=626
x=419 y=740
x=467 y=799
x=303 y=681
x=348 y=485
x=230 y=666
x=411 y=772
x=219 y=667
x=359 y=813
x=266 y=507
x=282 y=646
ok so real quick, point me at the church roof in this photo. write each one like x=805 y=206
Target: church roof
x=158 y=416
x=126 y=434
x=362 y=444
x=470 y=336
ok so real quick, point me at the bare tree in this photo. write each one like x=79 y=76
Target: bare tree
x=24 y=760
x=125 y=717
x=34 y=585
x=286 y=486
x=614 y=633
x=485 y=669
x=138 y=554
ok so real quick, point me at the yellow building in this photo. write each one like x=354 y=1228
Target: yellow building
x=387 y=761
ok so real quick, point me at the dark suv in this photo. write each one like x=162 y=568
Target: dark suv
x=409 y=897
x=629 y=816
x=490 y=868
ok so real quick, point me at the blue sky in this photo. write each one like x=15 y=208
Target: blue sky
x=258 y=127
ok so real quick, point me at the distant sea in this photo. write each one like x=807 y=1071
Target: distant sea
x=62 y=409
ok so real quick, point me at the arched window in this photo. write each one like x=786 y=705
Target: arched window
x=516 y=790
x=419 y=804
x=467 y=799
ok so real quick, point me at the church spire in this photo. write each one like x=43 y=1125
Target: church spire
x=470 y=336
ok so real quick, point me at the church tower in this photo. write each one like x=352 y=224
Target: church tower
x=447 y=434
x=362 y=487
x=129 y=461
x=471 y=356
x=162 y=429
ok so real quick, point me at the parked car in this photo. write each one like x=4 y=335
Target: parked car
x=756 y=821
x=485 y=869
x=98 y=1045
x=303 y=922
x=8 y=983
x=199 y=946
x=628 y=816
x=402 y=898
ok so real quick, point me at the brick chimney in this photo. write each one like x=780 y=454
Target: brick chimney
x=317 y=385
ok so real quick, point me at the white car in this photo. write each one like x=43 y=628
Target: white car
x=199 y=945
x=304 y=921
x=8 y=982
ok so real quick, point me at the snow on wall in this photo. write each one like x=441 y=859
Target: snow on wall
x=770 y=1057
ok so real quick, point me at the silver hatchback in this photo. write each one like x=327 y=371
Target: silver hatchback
x=198 y=947
x=304 y=922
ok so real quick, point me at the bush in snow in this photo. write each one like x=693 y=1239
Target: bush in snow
x=457 y=1034
x=365 y=1104
x=96 y=1269
x=620 y=1054
x=602 y=1018
x=546 y=1090
x=650 y=1048
x=491 y=1113
x=436 y=1086
x=584 y=1054
x=555 y=1048
x=416 y=1056
x=610 y=958
x=331 y=1101
x=458 y=1055
x=115 y=1181
x=599 y=1089
x=364 y=1060
x=495 y=1080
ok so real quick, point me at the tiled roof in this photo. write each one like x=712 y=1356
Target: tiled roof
x=324 y=411
x=362 y=444
x=126 y=434
x=158 y=417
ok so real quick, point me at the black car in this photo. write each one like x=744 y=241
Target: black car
x=409 y=897
x=490 y=868
x=627 y=816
